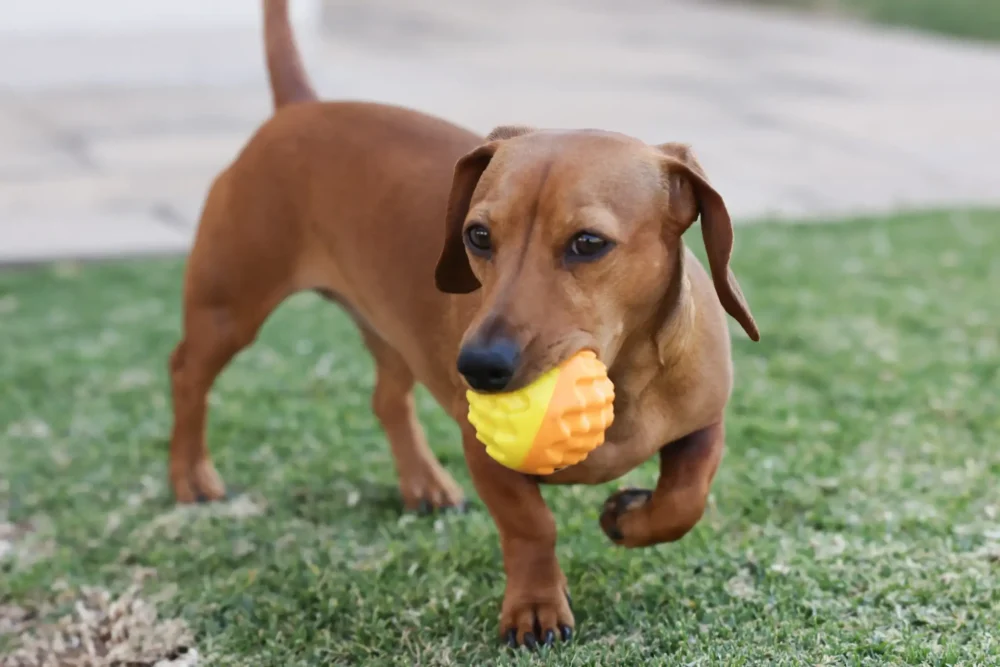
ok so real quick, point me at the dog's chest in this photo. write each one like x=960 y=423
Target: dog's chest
x=639 y=431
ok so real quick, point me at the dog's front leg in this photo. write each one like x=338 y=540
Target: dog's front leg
x=536 y=607
x=638 y=517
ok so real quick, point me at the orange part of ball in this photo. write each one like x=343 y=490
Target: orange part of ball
x=580 y=411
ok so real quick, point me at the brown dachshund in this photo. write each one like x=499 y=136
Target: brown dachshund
x=476 y=262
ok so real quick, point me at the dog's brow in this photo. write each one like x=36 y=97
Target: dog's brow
x=506 y=289
x=480 y=214
x=536 y=200
x=597 y=219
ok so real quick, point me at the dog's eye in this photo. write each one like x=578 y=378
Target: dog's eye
x=586 y=246
x=478 y=239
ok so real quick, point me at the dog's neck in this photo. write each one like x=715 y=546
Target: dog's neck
x=660 y=342
x=676 y=316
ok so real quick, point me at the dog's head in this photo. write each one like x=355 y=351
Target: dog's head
x=574 y=238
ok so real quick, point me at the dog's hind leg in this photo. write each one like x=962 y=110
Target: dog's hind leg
x=213 y=335
x=423 y=482
x=210 y=342
x=231 y=286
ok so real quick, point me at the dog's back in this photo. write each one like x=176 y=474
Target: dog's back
x=346 y=198
x=322 y=187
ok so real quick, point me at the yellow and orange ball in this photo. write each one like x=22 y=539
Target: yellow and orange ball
x=554 y=422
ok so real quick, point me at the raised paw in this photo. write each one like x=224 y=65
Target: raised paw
x=536 y=619
x=616 y=512
x=198 y=483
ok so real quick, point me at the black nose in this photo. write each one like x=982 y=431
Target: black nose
x=489 y=366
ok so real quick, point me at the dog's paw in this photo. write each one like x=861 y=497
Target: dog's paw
x=536 y=618
x=617 y=507
x=424 y=508
x=199 y=483
x=430 y=490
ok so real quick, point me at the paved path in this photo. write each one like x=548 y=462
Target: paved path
x=108 y=140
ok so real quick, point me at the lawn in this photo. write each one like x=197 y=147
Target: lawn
x=855 y=519
x=974 y=19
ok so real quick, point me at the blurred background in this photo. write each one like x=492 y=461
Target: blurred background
x=115 y=114
x=856 y=519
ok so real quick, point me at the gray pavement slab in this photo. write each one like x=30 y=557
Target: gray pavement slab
x=91 y=236
x=110 y=133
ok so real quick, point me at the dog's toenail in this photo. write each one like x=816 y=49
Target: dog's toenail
x=530 y=641
x=550 y=638
x=423 y=507
x=458 y=508
x=566 y=632
x=512 y=638
x=630 y=499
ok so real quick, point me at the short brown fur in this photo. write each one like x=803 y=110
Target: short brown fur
x=367 y=203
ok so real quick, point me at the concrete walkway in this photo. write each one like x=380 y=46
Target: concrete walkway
x=110 y=134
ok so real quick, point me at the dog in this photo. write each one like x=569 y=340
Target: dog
x=470 y=261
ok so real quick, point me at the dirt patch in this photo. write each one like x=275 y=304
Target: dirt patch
x=93 y=628
x=26 y=542
x=174 y=524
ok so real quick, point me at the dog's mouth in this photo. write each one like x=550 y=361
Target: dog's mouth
x=508 y=365
x=530 y=373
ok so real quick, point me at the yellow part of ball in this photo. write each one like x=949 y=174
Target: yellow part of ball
x=554 y=422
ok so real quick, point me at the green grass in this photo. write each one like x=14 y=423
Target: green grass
x=855 y=519
x=973 y=19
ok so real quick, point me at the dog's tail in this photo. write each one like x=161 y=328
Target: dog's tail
x=289 y=82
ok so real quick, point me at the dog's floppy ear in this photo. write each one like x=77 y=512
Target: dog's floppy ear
x=453 y=274
x=691 y=195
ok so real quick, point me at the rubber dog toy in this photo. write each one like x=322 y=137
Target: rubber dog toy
x=554 y=422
